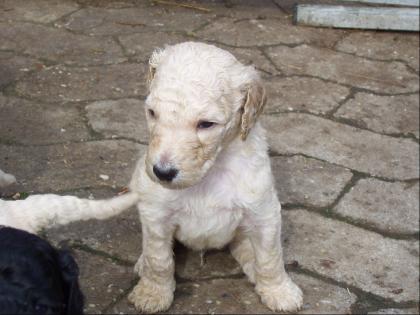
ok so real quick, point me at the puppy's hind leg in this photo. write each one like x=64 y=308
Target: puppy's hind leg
x=241 y=249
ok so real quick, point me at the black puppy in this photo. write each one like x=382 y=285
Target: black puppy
x=36 y=278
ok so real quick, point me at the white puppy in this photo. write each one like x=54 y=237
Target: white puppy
x=206 y=177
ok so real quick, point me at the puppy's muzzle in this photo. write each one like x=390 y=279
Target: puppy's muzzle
x=165 y=174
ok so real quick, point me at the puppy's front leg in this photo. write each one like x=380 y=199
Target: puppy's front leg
x=276 y=289
x=154 y=292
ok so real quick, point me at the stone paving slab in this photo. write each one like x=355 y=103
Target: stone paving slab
x=305 y=181
x=102 y=280
x=384 y=114
x=383 y=45
x=140 y=46
x=109 y=4
x=75 y=84
x=264 y=32
x=244 y=9
x=303 y=94
x=57 y=44
x=68 y=166
x=378 y=76
x=349 y=254
x=392 y=207
x=344 y=145
x=255 y=57
x=40 y=11
x=100 y=21
x=123 y=118
x=13 y=67
x=45 y=123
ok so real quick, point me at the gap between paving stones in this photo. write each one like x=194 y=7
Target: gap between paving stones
x=347 y=121
x=356 y=88
x=52 y=23
x=366 y=301
x=328 y=211
x=122 y=47
x=352 y=93
x=374 y=59
x=85 y=31
x=77 y=244
x=279 y=6
x=265 y=46
x=199 y=28
x=10 y=90
x=293 y=66
x=270 y=61
x=302 y=127
x=102 y=138
x=121 y=296
x=273 y=153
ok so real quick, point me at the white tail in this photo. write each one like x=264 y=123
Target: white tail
x=44 y=211
x=6 y=179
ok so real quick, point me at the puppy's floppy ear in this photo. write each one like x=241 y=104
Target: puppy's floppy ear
x=254 y=103
x=70 y=275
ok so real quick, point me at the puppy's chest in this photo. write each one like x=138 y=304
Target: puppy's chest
x=207 y=221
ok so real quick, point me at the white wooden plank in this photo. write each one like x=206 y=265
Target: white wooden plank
x=404 y=19
x=408 y=3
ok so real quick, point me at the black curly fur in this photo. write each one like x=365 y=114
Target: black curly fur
x=35 y=278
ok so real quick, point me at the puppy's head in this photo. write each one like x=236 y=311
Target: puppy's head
x=201 y=99
x=35 y=278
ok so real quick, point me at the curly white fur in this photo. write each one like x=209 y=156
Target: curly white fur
x=6 y=179
x=43 y=211
x=223 y=191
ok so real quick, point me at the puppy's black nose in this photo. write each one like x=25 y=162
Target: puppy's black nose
x=166 y=174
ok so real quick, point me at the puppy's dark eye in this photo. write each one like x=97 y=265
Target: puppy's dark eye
x=202 y=124
x=151 y=113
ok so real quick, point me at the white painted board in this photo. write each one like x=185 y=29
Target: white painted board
x=408 y=3
x=397 y=19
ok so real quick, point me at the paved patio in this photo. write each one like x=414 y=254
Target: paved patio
x=343 y=122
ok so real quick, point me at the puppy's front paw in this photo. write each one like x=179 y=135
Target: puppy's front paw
x=151 y=298
x=286 y=297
